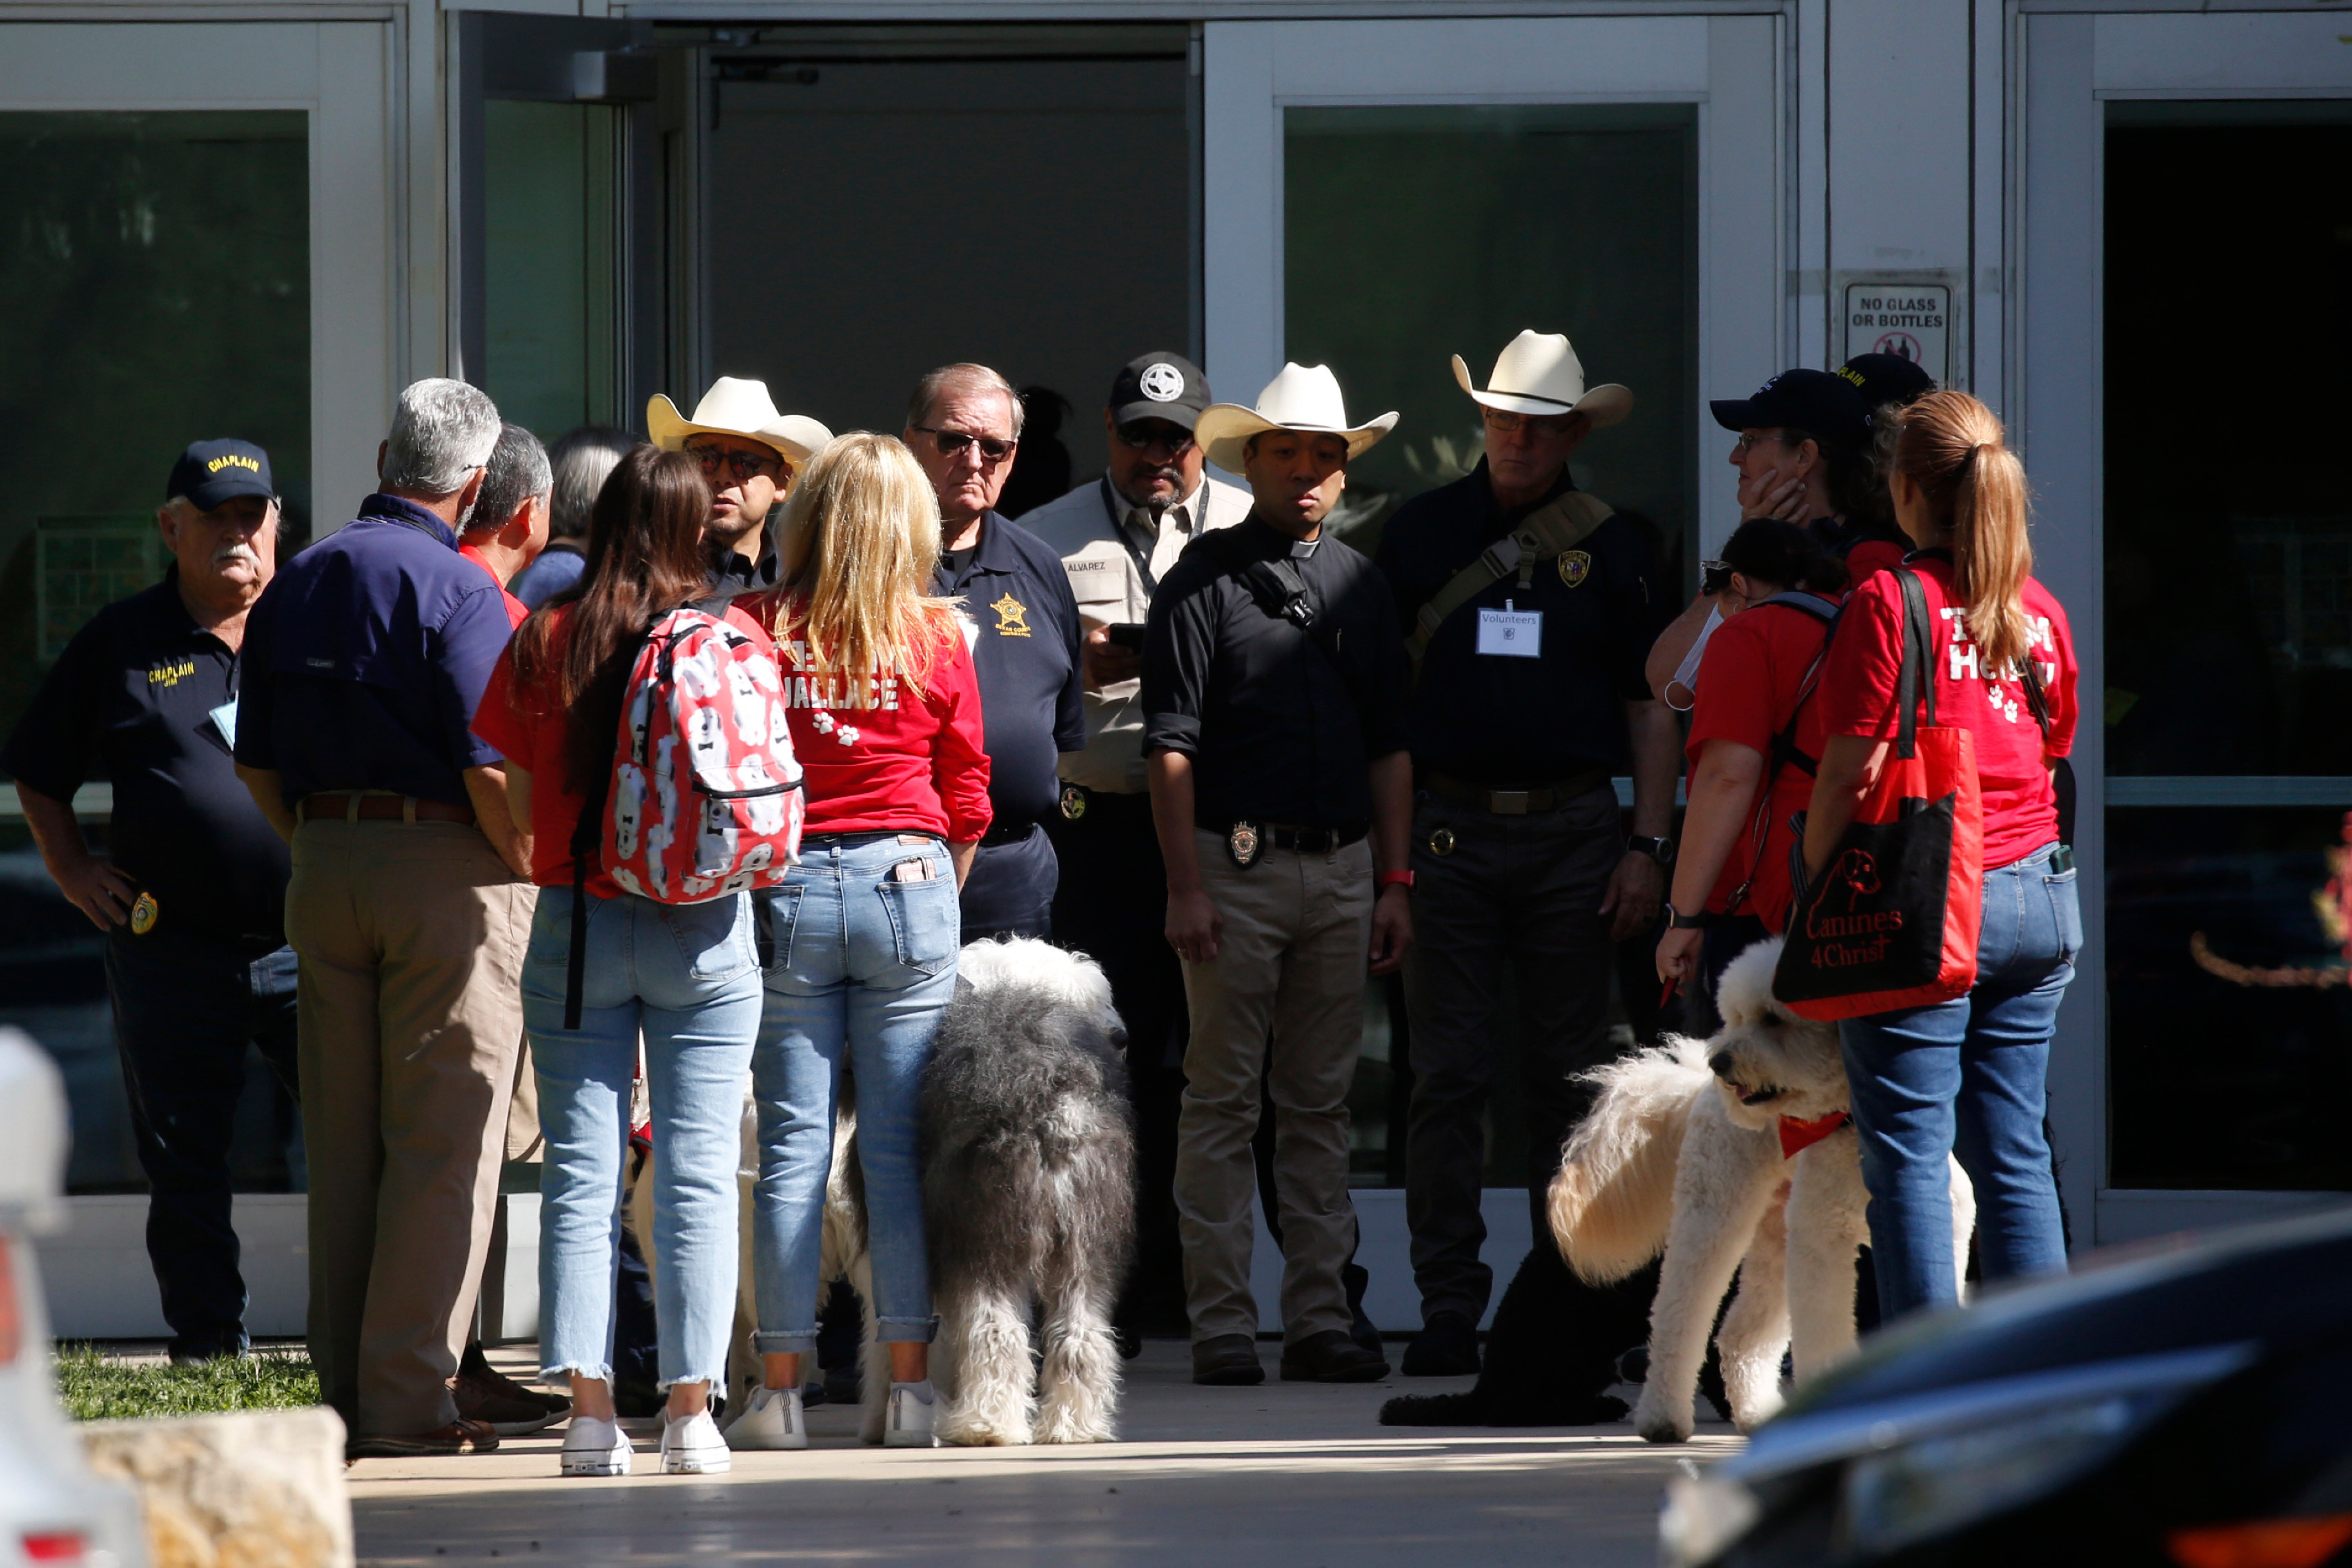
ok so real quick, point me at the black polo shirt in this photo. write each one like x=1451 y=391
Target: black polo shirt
x=1503 y=720
x=1279 y=724
x=1022 y=625
x=732 y=572
x=132 y=700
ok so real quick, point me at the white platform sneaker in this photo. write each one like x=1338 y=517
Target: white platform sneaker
x=691 y=1446
x=594 y=1447
x=771 y=1418
x=913 y=1413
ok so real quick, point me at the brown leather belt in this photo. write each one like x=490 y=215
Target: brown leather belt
x=1515 y=802
x=379 y=808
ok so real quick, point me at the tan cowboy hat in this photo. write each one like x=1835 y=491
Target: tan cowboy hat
x=736 y=407
x=1300 y=398
x=1539 y=373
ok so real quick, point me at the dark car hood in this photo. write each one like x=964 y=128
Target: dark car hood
x=2274 y=1282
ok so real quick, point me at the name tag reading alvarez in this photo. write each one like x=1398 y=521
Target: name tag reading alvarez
x=1513 y=634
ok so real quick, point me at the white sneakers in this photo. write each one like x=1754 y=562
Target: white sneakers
x=594 y=1447
x=771 y=1418
x=912 y=1415
x=693 y=1447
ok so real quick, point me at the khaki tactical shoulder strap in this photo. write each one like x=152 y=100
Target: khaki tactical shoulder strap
x=1551 y=530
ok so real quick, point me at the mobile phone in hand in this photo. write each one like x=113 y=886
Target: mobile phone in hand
x=1128 y=635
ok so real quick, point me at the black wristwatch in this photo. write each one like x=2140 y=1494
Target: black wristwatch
x=1662 y=850
x=1680 y=921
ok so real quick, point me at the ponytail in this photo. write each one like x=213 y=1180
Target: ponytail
x=1952 y=447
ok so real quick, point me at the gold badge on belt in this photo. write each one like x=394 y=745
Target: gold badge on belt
x=1243 y=843
x=142 y=914
x=1575 y=565
x=1441 y=842
x=1074 y=803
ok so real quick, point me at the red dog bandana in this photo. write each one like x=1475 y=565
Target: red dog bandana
x=1796 y=1136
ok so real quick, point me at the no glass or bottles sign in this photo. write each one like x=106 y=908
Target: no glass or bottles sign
x=1910 y=321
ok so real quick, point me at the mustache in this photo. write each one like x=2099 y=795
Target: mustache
x=239 y=551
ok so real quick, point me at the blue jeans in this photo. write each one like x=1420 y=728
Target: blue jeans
x=688 y=976
x=1966 y=1077
x=183 y=1009
x=863 y=967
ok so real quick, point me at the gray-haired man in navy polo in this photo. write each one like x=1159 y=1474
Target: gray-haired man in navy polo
x=410 y=907
x=191 y=892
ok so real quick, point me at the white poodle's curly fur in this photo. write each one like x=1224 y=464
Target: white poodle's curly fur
x=1681 y=1153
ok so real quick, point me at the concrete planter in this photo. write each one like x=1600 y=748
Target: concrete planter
x=260 y=1488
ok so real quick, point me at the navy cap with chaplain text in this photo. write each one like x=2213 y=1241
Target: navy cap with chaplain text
x=1160 y=386
x=1818 y=402
x=212 y=472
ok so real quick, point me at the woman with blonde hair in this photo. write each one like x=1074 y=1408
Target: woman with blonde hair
x=885 y=713
x=1962 y=1077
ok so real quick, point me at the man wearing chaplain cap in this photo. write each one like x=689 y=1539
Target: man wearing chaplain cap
x=1274 y=723
x=1117 y=537
x=749 y=453
x=1531 y=607
x=191 y=892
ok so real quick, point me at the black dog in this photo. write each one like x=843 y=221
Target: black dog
x=1552 y=1354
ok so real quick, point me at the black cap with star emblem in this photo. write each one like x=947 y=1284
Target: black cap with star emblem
x=1160 y=386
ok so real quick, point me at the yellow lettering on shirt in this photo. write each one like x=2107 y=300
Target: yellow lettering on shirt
x=169 y=675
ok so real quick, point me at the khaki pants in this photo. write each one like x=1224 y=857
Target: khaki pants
x=411 y=937
x=1289 y=973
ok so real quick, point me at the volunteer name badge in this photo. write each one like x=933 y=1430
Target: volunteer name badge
x=1511 y=633
x=223 y=719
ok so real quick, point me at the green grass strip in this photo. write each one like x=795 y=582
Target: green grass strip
x=96 y=1389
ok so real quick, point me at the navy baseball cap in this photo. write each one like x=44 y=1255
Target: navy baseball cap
x=1160 y=386
x=212 y=472
x=1818 y=402
x=1883 y=379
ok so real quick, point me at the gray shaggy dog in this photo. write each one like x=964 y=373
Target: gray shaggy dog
x=1028 y=1199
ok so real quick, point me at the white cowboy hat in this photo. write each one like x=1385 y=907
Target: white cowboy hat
x=1539 y=373
x=1300 y=398
x=736 y=407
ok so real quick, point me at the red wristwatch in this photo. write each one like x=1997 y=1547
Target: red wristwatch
x=1395 y=880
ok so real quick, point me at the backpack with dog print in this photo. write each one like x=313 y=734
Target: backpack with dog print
x=705 y=796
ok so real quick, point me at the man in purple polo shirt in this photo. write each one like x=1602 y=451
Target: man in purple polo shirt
x=409 y=910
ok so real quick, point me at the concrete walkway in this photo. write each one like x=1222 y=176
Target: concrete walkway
x=1282 y=1476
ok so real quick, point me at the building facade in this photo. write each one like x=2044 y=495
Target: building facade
x=2123 y=225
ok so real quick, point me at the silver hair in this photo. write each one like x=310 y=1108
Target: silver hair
x=583 y=460
x=185 y=508
x=517 y=471
x=962 y=377
x=441 y=432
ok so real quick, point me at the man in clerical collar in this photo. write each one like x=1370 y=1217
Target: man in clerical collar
x=749 y=453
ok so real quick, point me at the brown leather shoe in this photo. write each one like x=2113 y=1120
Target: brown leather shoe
x=504 y=1405
x=460 y=1436
x=1330 y=1357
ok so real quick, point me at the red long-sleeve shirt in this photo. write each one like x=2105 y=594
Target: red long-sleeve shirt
x=884 y=753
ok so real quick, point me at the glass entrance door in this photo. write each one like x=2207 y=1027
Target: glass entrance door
x=195 y=242
x=2203 y=544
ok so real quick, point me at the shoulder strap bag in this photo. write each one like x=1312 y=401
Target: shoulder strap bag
x=1553 y=529
x=1893 y=921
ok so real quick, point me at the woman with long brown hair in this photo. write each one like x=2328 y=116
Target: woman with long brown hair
x=686 y=976
x=1962 y=1077
x=885 y=714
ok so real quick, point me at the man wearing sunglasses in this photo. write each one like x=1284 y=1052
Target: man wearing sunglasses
x=749 y=453
x=1117 y=536
x=963 y=423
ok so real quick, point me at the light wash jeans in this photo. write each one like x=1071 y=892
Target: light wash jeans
x=687 y=975
x=863 y=967
x=1966 y=1077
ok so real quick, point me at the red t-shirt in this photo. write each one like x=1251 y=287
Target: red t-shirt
x=881 y=753
x=1748 y=684
x=1858 y=697
x=515 y=609
x=1869 y=557
x=529 y=729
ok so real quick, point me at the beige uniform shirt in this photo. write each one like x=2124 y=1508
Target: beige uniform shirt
x=1107 y=559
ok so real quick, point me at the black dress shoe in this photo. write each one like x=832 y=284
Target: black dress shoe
x=1331 y=1357
x=1447 y=1347
x=1228 y=1361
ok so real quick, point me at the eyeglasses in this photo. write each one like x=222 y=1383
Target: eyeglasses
x=951 y=444
x=1145 y=434
x=1748 y=441
x=742 y=465
x=1505 y=423
x=1713 y=577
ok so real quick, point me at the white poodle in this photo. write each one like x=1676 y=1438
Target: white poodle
x=1734 y=1153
